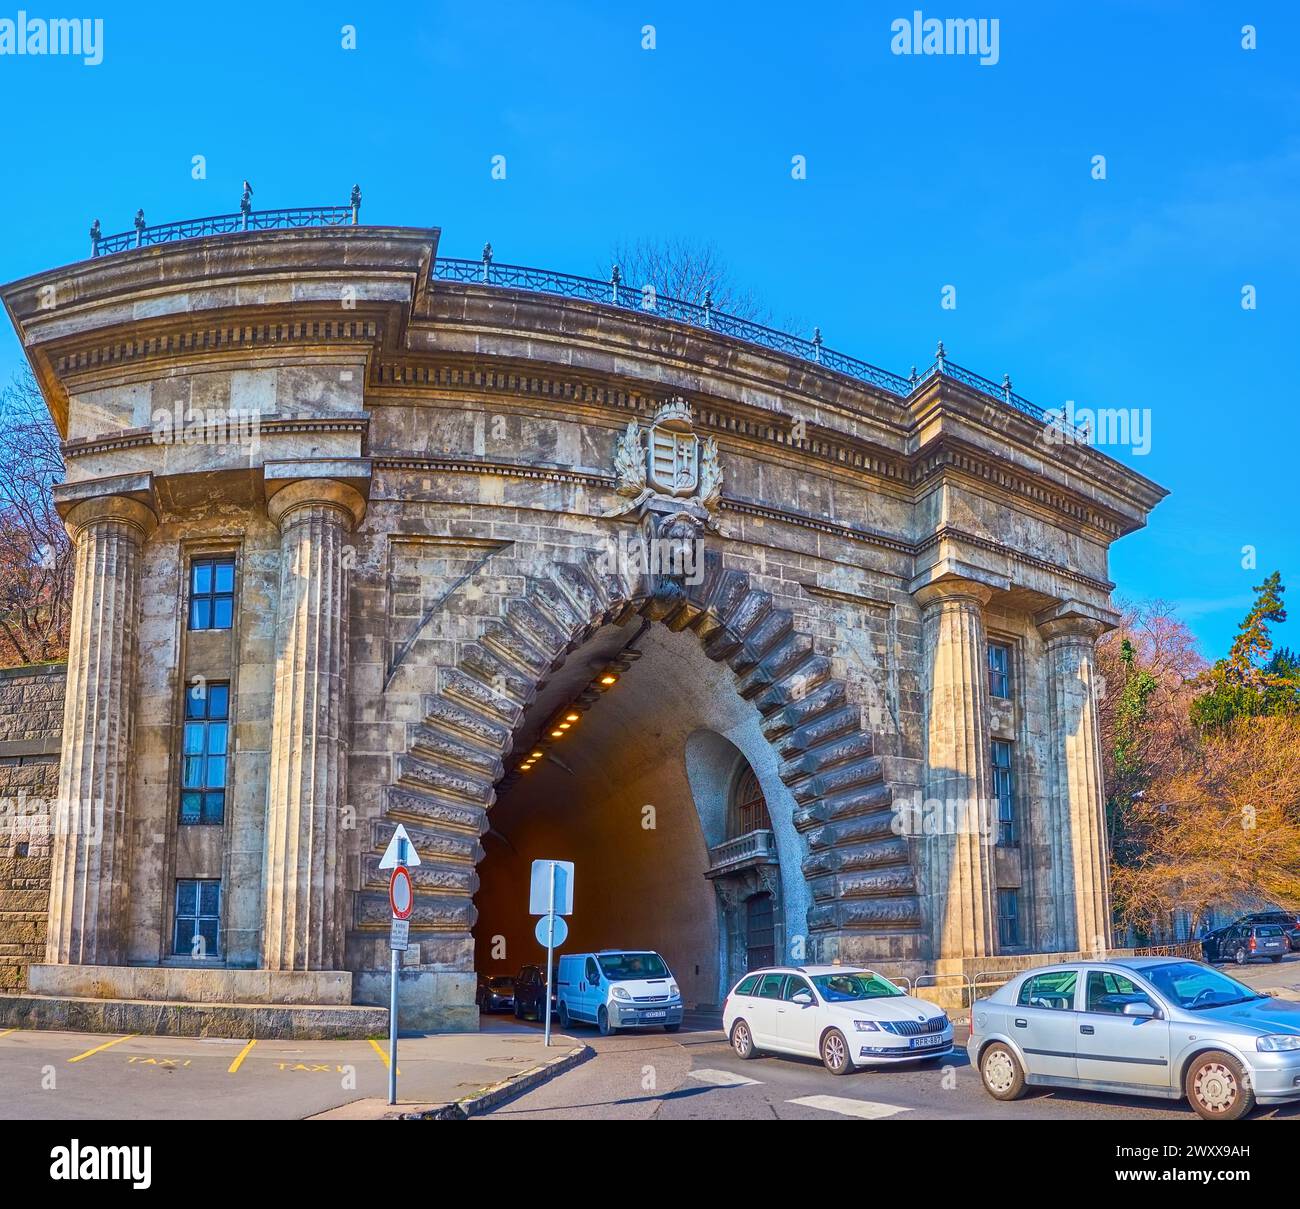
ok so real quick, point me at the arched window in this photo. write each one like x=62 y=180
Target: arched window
x=748 y=806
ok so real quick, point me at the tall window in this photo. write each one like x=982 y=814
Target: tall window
x=999 y=670
x=212 y=593
x=1004 y=786
x=748 y=806
x=1009 y=918
x=203 y=771
x=198 y=917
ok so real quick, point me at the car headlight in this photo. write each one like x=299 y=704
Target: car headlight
x=866 y=1026
x=1275 y=1042
x=673 y=992
x=620 y=993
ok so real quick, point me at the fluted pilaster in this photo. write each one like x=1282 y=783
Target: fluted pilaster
x=1077 y=803
x=303 y=911
x=88 y=871
x=958 y=775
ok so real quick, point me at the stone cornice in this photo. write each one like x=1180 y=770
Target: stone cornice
x=854 y=533
x=136 y=438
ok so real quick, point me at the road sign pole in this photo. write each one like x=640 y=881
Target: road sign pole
x=392 y=1032
x=550 y=940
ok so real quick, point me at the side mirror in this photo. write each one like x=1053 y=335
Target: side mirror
x=803 y=998
x=1140 y=1008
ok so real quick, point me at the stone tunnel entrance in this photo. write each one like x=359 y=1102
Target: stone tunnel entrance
x=665 y=794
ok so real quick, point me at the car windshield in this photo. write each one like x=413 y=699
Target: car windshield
x=1196 y=987
x=618 y=966
x=845 y=988
x=501 y=984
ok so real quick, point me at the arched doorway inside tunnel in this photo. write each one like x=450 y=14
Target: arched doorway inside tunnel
x=665 y=794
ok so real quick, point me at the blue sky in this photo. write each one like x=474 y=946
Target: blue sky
x=922 y=171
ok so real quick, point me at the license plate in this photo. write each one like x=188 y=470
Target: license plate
x=654 y=1015
x=928 y=1042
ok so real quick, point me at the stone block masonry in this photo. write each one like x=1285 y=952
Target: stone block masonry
x=31 y=721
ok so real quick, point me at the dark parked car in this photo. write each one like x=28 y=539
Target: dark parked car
x=1288 y=921
x=530 y=993
x=496 y=994
x=1240 y=942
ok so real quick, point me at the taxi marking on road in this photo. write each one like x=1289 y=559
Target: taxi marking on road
x=239 y=1059
x=723 y=1078
x=107 y=1045
x=868 y=1110
x=4 y=1032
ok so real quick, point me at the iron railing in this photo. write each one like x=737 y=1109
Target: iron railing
x=616 y=292
x=611 y=292
x=245 y=219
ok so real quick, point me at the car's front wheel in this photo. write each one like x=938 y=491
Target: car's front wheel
x=602 y=1020
x=1241 y=956
x=1217 y=1087
x=1001 y=1073
x=564 y=1014
x=835 y=1053
x=1276 y=959
x=742 y=1040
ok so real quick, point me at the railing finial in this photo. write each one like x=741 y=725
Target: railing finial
x=1006 y=387
x=939 y=356
x=139 y=226
x=615 y=276
x=355 y=202
x=817 y=344
x=911 y=378
x=708 y=308
x=487 y=261
x=245 y=206
x=94 y=237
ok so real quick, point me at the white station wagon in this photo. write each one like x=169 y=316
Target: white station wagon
x=846 y=1016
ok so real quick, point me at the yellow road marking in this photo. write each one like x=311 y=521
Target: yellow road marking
x=383 y=1054
x=106 y=1045
x=4 y=1032
x=243 y=1053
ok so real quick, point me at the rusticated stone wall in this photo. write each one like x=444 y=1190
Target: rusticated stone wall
x=31 y=719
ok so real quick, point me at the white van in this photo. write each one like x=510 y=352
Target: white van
x=617 y=988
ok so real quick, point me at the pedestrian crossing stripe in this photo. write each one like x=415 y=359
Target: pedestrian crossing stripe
x=722 y=1078
x=868 y=1110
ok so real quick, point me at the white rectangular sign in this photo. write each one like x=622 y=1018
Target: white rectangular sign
x=539 y=893
x=400 y=936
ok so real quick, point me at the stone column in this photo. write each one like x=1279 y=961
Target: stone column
x=1077 y=800
x=302 y=877
x=88 y=868
x=958 y=773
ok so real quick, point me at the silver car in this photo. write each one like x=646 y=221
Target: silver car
x=1147 y=1026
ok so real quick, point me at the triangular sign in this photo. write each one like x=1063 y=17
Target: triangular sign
x=400 y=851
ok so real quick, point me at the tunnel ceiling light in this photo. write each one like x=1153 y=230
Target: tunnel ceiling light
x=608 y=678
x=537 y=755
x=572 y=717
x=565 y=725
x=557 y=734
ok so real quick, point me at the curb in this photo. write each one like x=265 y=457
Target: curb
x=498 y=1093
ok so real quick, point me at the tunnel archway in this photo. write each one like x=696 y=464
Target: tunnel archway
x=849 y=875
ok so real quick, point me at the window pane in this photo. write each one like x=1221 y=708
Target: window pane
x=202 y=577
x=193 y=739
x=223 y=608
x=214 y=807
x=209 y=897
x=218 y=700
x=187 y=893
x=216 y=772
x=200 y=614
x=208 y=930
x=190 y=806
x=184 y=933
x=217 y=738
x=225 y=576
x=192 y=773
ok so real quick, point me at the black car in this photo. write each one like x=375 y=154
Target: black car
x=530 y=993
x=1288 y=921
x=1241 y=942
x=496 y=994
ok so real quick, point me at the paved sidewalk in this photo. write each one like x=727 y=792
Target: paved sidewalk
x=84 y=1076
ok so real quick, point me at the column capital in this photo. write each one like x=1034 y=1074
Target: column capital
x=953 y=588
x=314 y=492
x=102 y=509
x=1074 y=620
